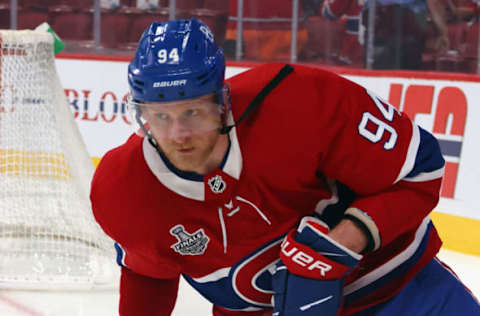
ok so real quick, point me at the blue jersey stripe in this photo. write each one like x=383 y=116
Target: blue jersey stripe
x=429 y=156
x=120 y=255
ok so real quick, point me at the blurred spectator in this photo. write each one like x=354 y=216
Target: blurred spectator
x=311 y=7
x=464 y=10
x=400 y=31
x=109 y=4
x=266 y=29
x=148 y=4
x=333 y=32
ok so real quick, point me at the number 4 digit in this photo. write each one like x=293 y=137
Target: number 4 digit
x=388 y=112
x=385 y=108
x=174 y=55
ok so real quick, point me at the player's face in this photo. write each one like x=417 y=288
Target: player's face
x=186 y=131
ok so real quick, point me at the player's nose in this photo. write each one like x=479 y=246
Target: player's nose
x=179 y=131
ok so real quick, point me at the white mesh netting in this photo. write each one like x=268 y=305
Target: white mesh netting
x=48 y=236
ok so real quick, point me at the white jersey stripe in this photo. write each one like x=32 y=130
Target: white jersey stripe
x=323 y=203
x=427 y=176
x=214 y=276
x=409 y=162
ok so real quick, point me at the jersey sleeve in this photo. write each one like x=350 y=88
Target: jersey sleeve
x=142 y=295
x=394 y=166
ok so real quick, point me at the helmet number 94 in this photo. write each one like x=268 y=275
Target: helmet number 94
x=168 y=57
x=387 y=112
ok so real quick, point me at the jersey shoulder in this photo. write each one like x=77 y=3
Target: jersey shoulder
x=308 y=98
x=112 y=182
x=304 y=83
x=260 y=75
x=125 y=155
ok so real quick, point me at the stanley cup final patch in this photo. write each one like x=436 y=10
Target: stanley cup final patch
x=189 y=244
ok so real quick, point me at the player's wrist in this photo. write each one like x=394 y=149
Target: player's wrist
x=349 y=234
x=365 y=223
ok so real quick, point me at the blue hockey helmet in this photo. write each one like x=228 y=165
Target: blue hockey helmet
x=176 y=60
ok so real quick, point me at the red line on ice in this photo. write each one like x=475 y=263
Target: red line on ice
x=19 y=306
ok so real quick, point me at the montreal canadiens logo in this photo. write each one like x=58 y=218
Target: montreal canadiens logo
x=217 y=185
x=189 y=244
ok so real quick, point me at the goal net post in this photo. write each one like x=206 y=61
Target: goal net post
x=48 y=236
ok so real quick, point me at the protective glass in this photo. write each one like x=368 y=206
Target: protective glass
x=168 y=120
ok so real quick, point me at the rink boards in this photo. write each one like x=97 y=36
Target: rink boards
x=445 y=104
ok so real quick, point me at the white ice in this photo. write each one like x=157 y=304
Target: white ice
x=189 y=303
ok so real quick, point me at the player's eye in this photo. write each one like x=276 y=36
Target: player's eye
x=161 y=116
x=192 y=112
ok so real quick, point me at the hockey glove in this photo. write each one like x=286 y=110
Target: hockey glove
x=309 y=278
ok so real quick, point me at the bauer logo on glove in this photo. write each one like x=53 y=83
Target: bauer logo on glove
x=309 y=278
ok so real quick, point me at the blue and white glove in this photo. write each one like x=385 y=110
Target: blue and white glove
x=309 y=278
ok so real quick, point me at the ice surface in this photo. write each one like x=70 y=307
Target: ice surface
x=189 y=303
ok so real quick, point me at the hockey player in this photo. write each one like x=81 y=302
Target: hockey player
x=286 y=190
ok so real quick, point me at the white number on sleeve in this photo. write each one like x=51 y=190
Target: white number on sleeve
x=385 y=108
x=387 y=112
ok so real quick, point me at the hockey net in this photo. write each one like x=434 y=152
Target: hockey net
x=48 y=236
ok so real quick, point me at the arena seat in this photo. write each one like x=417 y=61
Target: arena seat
x=187 y=5
x=471 y=47
x=471 y=40
x=221 y=5
x=30 y=18
x=128 y=3
x=83 y=4
x=44 y=4
x=451 y=61
x=454 y=59
x=116 y=26
x=324 y=40
x=457 y=36
x=267 y=34
x=4 y=15
x=72 y=24
x=139 y=21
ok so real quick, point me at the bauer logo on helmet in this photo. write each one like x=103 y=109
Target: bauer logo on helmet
x=172 y=83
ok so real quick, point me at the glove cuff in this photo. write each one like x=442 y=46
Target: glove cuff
x=367 y=225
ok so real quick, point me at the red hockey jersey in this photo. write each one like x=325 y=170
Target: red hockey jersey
x=318 y=144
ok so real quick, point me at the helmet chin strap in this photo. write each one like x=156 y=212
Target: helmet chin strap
x=153 y=142
x=284 y=72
